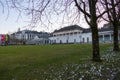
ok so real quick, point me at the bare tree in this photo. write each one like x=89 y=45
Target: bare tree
x=90 y=10
x=44 y=12
x=114 y=18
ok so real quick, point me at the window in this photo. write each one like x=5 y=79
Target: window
x=54 y=41
x=57 y=34
x=74 y=40
x=78 y=32
x=83 y=40
x=75 y=32
x=67 y=41
x=107 y=37
x=67 y=33
x=100 y=37
x=87 y=39
x=60 y=34
x=71 y=33
x=60 y=41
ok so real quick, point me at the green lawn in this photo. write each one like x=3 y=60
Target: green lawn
x=26 y=62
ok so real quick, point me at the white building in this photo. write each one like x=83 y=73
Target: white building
x=77 y=34
x=28 y=34
x=71 y=34
x=106 y=33
x=30 y=37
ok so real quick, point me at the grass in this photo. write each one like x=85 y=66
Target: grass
x=27 y=62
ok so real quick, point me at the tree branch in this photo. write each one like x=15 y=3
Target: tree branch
x=2 y=6
x=107 y=8
x=83 y=11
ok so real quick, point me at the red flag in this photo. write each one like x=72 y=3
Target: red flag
x=2 y=38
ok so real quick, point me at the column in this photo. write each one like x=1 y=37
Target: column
x=110 y=37
x=103 y=37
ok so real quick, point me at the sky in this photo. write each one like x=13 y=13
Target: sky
x=9 y=23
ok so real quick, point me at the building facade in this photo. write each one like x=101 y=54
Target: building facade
x=77 y=34
x=71 y=34
x=106 y=33
x=30 y=37
x=66 y=35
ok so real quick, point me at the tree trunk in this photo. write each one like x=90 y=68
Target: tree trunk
x=115 y=33
x=115 y=27
x=95 y=43
x=94 y=28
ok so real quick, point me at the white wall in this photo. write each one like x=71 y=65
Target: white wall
x=86 y=36
x=75 y=38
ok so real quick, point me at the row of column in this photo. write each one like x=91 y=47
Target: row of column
x=110 y=36
x=72 y=33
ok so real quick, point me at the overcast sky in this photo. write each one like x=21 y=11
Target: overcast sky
x=10 y=24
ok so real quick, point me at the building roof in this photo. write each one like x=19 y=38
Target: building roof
x=68 y=28
x=43 y=36
x=107 y=27
x=86 y=30
x=19 y=32
x=73 y=27
x=29 y=31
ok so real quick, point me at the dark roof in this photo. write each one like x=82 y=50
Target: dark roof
x=86 y=30
x=105 y=29
x=100 y=30
x=108 y=27
x=19 y=32
x=43 y=36
x=67 y=28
